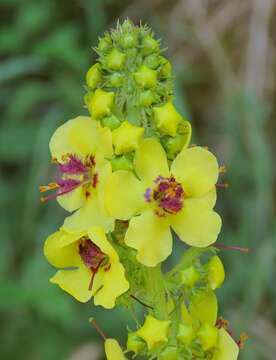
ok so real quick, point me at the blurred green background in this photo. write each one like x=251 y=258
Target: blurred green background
x=224 y=61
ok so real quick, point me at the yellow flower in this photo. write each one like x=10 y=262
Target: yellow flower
x=126 y=137
x=97 y=269
x=226 y=349
x=80 y=147
x=100 y=104
x=154 y=332
x=113 y=350
x=167 y=118
x=182 y=197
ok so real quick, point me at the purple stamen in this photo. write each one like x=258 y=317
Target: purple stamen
x=168 y=194
x=73 y=166
x=67 y=185
x=147 y=195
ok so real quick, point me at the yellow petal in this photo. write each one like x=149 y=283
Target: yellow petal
x=72 y=200
x=204 y=307
x=210 y=197
x=77 y=136
x=124 y=195
x=150 y=161
x=196 y=224
x=91 y=214
x=105 y=145
x=112 y=282
x=227 y=348
x=197 y=169
x=113 y=350
x=154 y=332
x=74 y=282
x=60 y=249
x=127 y=137
x=151 y=236
x=167 y=118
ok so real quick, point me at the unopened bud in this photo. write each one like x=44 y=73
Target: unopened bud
x=152 y=61
x=100 y=103
x=149 y=45
x=170 y=353
x=121 y=163
x=128 y=40
x=166 y=70
x=208 y=336
x=115 y=59
x=126 y=137
x=146 y=98
x=167 y=118
x=116 y=80
x=103 y=45
x=112 y=122
x=216 y=273
x=93 y=76
x=134 y=343
x=145 y=77
x=189 y=276
x=185 y=334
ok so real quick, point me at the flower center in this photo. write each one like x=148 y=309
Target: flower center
x=168 y=194
x=75 y=172
x=92 y=257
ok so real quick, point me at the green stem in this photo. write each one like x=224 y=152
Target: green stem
x=155 y=290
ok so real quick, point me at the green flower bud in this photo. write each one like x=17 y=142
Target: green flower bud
x=149 y=44
x=208 y=336
x=115 y=59
x=146 y=98
x=134 y=343
x=145 y=77
x=174 y=145
x=128 y=40
x=126 y=137
x=116 y=80
x=121 y=163
x=93 y=76
x=167 y=118
x=189 y=276
x=204 y=307
x=216 y=272
x=100 y=103
x=112 y=122
x=166 y=70
x=152 y=61
x=103 y=45
x=185 y=334
x=155 y=332
x=170 y=353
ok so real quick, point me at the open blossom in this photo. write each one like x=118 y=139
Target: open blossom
x=97 y=271
x=80 y=148
x=159 y=197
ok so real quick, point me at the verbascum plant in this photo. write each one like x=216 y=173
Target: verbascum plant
x=130 y=179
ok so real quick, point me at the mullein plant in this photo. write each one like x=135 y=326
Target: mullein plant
x=130 y=179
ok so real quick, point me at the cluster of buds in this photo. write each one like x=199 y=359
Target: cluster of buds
x=130 y=178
